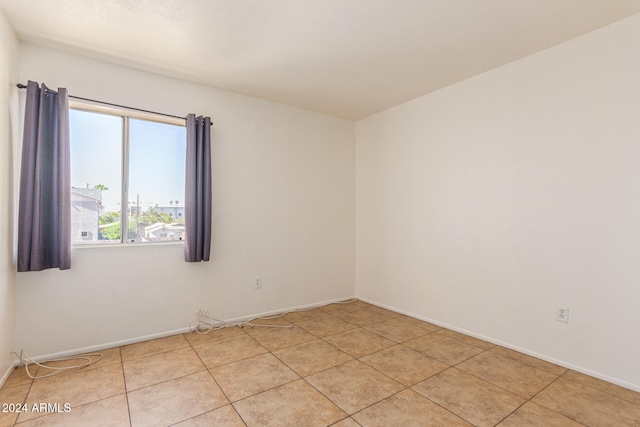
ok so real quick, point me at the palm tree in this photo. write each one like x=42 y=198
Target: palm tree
x=102 y=188
x=153 y=215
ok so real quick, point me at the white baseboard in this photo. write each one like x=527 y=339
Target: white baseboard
x=42 y=358
x=104 y=346
x=565 y=364
x=8 y=372
x=289 y=309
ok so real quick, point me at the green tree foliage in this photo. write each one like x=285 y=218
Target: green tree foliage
x=153 y=215
x=109 y=217
x=100 y=187
x=111 y=233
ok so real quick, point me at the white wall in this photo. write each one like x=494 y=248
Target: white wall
x=486 y=204
x=8 y=135
x=283 y=208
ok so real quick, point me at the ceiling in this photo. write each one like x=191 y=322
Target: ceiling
x=348 y=58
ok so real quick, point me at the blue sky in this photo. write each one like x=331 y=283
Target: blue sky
x=156 y=158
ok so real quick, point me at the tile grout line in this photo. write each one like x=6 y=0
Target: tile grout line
x=26 y=396
x=216 y=381
x=491 y=383
x=126 y=392
x=597 y=389
x=349 y=416
x=46 y=379
x=267 y=351
x=405 y=387
x=321 y=314
x=537 y=393
x=156 y=353
x=344 y=363
x=343 y=419
x=436 y=403
x=527 y=400
x=449 y=367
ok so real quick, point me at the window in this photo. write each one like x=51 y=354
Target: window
x=127 y=176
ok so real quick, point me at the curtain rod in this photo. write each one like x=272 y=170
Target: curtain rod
x=21 y=86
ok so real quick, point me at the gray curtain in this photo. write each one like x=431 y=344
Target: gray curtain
x=198 y=190
x=44 y=223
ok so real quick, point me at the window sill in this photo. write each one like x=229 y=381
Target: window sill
x=125 y=245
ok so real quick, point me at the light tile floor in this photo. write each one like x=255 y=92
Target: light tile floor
x=342 y=365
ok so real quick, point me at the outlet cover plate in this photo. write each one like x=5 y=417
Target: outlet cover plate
x=562 y=314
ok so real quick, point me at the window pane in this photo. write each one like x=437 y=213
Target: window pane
x=96 y=153
x=156 y=181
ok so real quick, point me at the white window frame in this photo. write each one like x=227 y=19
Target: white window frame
x=126 y=115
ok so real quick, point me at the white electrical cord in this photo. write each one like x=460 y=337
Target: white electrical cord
x=202 y=323
x=26 y=360
x=205 y=323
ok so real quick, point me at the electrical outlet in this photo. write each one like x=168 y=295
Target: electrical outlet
x=257 y=282
x=562 y=314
